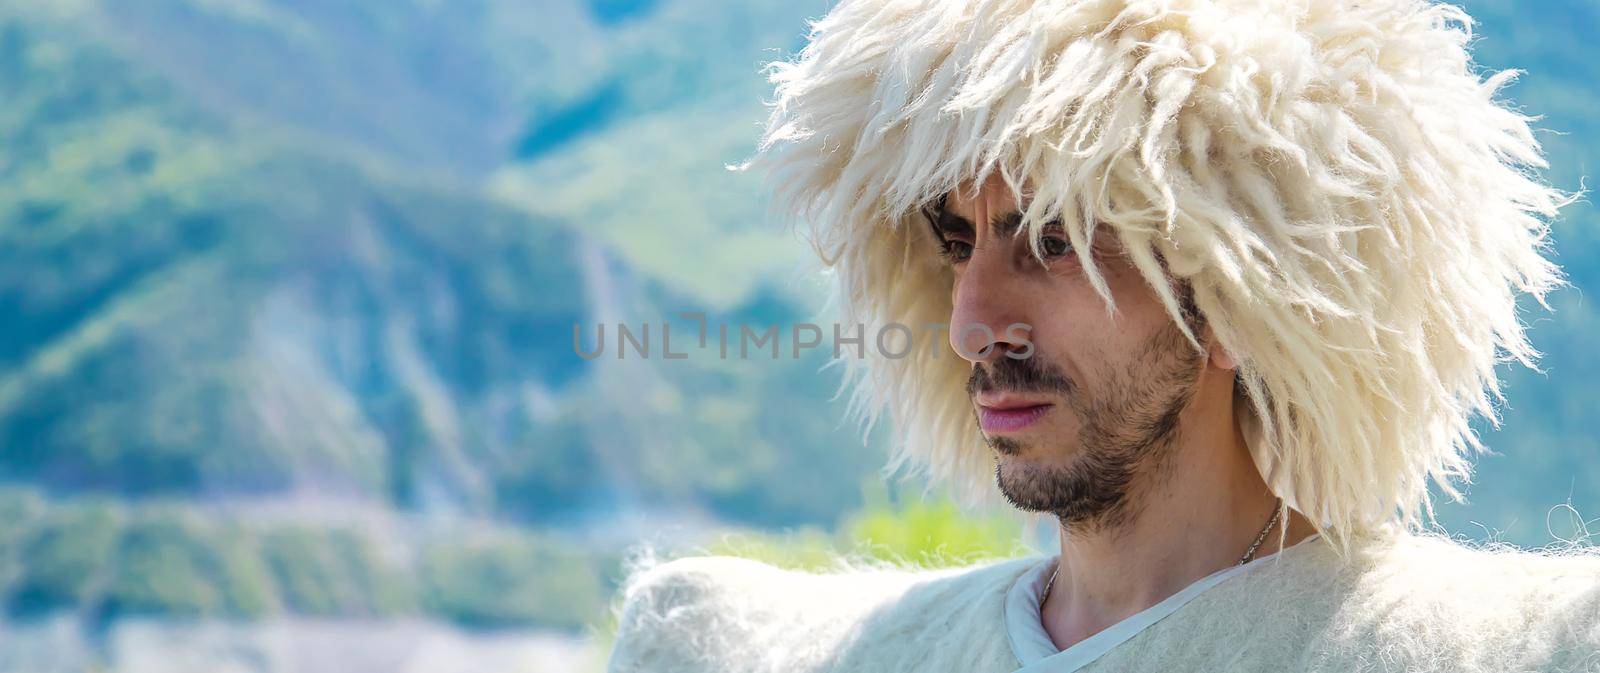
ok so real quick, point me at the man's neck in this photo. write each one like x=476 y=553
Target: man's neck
x=1201 y=520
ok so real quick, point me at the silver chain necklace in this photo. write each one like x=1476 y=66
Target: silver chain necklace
x=1277 y=510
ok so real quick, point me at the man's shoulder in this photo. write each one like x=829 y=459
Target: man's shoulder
x=727 y=613
x=1485 y=607
x=1475 y=574
x=1413 y=601
x=1392 y=601
x=683 y=582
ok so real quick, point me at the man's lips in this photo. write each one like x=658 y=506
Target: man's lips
x=1003 y=415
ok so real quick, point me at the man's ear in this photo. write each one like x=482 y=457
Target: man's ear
x=1216 y=355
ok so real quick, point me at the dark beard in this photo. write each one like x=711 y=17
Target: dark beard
x=1128 y=430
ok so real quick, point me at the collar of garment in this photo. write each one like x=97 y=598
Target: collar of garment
x=1032 y=644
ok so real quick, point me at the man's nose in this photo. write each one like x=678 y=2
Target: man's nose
x=989 y=319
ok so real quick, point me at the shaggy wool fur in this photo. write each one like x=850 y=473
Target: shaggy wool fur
x=1393 y=601
x=1355 y=210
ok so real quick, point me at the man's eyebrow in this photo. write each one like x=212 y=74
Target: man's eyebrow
x=946 y=222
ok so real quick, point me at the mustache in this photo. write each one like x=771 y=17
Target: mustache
x=1024 y=375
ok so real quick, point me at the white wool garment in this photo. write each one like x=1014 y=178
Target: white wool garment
x=1398 y=602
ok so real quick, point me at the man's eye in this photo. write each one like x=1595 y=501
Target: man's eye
x=1054 y=246
x=955 y=251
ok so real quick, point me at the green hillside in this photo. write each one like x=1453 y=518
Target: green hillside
x=218 y=297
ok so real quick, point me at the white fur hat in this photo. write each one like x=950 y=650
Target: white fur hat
x=1355 y=211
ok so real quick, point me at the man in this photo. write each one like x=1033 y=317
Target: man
x=1225 y=282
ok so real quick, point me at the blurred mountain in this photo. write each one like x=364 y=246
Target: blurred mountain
x=257 y=249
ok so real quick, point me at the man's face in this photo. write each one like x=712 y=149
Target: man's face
x=1092 y=412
